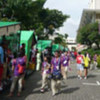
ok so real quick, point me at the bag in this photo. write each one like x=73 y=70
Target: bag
x=49 y=77
x=56 y=75
x=20 y=69
x=32 y=66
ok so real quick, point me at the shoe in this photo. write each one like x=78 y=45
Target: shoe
x=80 y=78
x=18 y=94
x=10 y=94
x=42 y=90
x=54 y=95
x=85 y=78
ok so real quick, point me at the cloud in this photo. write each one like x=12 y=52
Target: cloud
x=73 y=22
x=70 y=27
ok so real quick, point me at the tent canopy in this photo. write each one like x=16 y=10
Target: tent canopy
x=66 y=49
x=25 y=35
x=57 y=47
x=27 y=38
x=43 y=44
x=61 y=47
x=5 y=24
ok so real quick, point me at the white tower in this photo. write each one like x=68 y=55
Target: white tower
x=94 y=4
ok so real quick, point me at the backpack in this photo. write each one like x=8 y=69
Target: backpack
x=20 y=68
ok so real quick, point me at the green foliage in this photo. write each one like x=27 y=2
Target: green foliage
x=91 y=51
x=89 y=34
x=61 y=39
x=52 y=20
x=73 y=49
x=32 y=15
x=55 y=18
x=66 y=35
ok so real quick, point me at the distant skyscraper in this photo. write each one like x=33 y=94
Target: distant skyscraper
x=94 y=4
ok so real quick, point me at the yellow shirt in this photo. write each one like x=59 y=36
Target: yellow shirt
x=86 y=61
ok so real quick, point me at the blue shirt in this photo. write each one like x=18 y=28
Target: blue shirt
x=1 y=55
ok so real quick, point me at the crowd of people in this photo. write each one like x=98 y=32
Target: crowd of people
x=84 y=63
x=55 y=72
x=10 y=64
x=54 y=68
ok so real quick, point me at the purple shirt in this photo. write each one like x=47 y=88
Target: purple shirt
x=65 y=61
x=95 y=58
x=15 y=63
x=56 y=64
x=45 y=69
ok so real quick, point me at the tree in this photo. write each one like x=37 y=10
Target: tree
x=66 y=35
x=83 y=34
x=89 y=34
x=60 y=39
x=52 y=19
x=32 y=15
x=94 y=37
x=25 y=11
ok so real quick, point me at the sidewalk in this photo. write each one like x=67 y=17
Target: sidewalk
x=72 y=89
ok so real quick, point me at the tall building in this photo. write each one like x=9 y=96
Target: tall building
x=94 y=4
x=92 y=14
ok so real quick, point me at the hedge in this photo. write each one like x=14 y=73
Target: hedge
x=92 y=52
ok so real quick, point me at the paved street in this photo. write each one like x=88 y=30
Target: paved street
x=72 y=89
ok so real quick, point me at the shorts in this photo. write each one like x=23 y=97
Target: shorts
x=86 y=67
x=80 y=67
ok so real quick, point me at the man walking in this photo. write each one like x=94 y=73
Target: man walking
x=80 y=68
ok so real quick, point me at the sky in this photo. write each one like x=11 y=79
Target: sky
x=74 y=9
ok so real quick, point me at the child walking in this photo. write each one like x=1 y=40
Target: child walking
x=45 y=74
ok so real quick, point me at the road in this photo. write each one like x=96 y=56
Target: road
x=72 y=88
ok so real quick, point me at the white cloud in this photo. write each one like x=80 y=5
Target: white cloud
x=73 y=22
x=70 y=27
x=71 y=7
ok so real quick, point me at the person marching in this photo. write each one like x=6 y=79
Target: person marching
x=65 y=64
x=95 y=61
x=79 y=60
x=56 y=74
x=38 y=60
x=18 y=67
x=86 y=60
x=1 y=65
x=45 y=74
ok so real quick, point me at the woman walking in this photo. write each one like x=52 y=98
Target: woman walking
x=86 y=65
x=18 y=67
x=56 y=74
x=65 y=65
x=45 y=74
x=38 y=58
x=95 y=61
x=80 y=68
